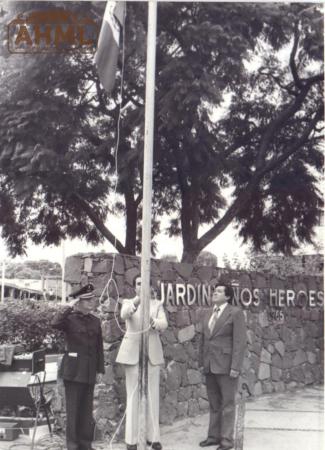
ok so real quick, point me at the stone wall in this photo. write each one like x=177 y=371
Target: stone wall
x=285 y=344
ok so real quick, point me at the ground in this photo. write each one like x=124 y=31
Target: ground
x=278 y=421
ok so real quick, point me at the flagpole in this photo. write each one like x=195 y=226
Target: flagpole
x=3 y=281
x=146 y=222
x=63 y=289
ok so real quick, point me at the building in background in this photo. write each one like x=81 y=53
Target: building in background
x=48 y=288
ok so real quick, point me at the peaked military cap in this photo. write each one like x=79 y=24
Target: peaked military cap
x=84 y=293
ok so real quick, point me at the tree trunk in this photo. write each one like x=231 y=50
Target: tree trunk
x=98 y=222
x=190 y=253
x=131 y=221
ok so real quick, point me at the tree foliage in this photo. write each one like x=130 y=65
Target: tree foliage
x=284 y=266
x=28 y=323
x=206 y=258
x=239 y=107
x=32 y=269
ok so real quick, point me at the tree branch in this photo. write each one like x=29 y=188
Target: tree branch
x=275 y=162
x=131 y=218
x=99 y=224
x=313 y=79
x=185 y=195
x=240 y=203
x=138 y=200
x=242 y=140
x=293 y=53
x=278 y=122
x=244 y=197
x=85 y=93
x=286 y=87
x=130 y=98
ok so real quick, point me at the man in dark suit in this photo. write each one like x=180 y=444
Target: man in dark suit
x=82 y=360
x=224 y=344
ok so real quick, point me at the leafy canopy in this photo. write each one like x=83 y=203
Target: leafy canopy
x=239 y=108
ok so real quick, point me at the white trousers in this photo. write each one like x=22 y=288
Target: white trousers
x=132 y=401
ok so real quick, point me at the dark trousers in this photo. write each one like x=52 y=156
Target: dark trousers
x=221 y=389
x=79 y=407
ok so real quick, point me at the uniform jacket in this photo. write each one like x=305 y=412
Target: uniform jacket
x=224 y=348
x=84 y=356
x=130 y=346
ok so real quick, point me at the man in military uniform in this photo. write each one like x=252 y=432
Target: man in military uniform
x=82 y=361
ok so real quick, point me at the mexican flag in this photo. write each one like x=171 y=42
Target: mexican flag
x=108 y=43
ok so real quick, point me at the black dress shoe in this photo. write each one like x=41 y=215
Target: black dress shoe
x=131 y=447
x=155 y=445
x=209 y=441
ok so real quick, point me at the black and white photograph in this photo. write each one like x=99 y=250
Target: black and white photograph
x=161 y=225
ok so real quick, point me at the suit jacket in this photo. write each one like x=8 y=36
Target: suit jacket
x=130 y=345
x=224 y=348
x=84 y=356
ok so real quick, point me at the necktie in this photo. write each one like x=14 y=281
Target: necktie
x=213 y=318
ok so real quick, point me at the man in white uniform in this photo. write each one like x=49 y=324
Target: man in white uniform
x=128 y=355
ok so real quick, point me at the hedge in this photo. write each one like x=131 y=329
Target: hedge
x=28 y=322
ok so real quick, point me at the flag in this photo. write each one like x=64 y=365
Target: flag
x=108 y=43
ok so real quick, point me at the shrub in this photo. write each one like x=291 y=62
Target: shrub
x=28 y=322
x=206 y=258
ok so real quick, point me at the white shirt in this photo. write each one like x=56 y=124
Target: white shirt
x=221 y=308
x=217 y=311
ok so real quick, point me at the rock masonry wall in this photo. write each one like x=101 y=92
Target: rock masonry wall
x=284 y=352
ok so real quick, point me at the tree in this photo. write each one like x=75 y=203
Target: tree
x=58 y=139
x=55 y=169
x=59 y=155
x=284 y=266
x=236 y=263
x=265 y=144
x=32 y=269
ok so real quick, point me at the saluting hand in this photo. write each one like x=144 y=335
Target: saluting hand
x=72 y=302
